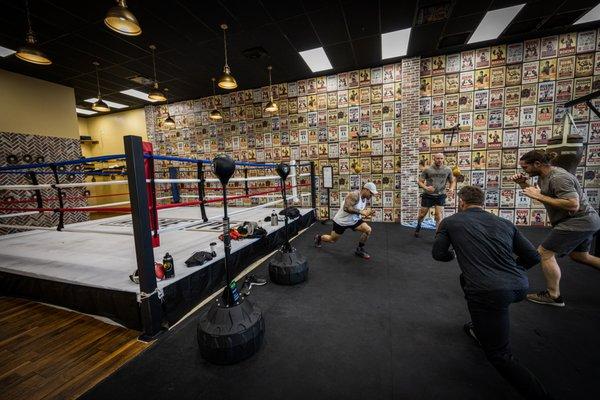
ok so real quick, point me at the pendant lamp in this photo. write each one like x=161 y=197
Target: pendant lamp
x=99 y=105
x=271 y=105
x=30 y=51
x=169 y=122
x=215 y=114
x=226 y=81
x=122 y=21
x=155 y=93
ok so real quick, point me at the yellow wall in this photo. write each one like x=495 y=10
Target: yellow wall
x=34 y=106
x=109 y=130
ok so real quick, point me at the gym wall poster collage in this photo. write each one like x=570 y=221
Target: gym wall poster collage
x=508 y=100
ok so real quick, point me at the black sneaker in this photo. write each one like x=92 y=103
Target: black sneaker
x=468 y=328
x=360 y=252
x=245 y=290
x=317 y=240
x=544 y=297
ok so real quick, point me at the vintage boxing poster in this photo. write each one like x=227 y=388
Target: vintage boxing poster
x=498 y=55
x=547 y=70
x=549 y=47
x=482 y=58
x=453 y=63
x=467 y=60
x=532 y=50
x=514 y=53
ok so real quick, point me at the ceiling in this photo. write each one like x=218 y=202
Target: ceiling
x=190 y=46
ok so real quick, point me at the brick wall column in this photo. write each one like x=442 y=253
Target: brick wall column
x=409 y=139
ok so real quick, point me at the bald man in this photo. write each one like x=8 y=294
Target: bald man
x=433 y=181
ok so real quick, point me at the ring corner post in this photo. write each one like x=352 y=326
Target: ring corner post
x=150 y=307
x=201 y=189
x=313 y=187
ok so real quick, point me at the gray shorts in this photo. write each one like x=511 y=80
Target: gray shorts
x=565 y=242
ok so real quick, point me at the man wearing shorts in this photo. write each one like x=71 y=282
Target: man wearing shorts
x=574 y=221
x=350 y=216
x=433 y=181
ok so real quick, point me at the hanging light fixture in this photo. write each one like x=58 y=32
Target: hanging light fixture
x=169 y=122
x=271 y=105
x=155 y=93
x=226 y=81
x=99 y=105
x=215 y=114
x=122 y=21
x=29 y=51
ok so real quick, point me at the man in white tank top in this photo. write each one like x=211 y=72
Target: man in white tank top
x=350 y=216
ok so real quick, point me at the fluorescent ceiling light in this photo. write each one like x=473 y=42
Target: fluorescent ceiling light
x=316 y=59
x=138 y=94
x=84 y=111
x=494 y=23
x=111 y=104
x=394 y=44
x=5 y=52
x=592 y=15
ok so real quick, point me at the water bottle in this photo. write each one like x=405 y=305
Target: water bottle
x=274 y=220
x=168 y=266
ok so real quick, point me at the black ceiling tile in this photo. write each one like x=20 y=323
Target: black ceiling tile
x=573 y=5
x=519 y=28
x=561 y=20
x=279 y=10
x=497 y=4
x=341 y=56
x=300 y=32
x=329 y=24
x=247 y=14
x=536 y=9
x=467 y=23
x=424 y=38
x=362 y=19
x=367 y=51
x=458 y=39
x=314 y=5
x=465 y=7
x=396 y=15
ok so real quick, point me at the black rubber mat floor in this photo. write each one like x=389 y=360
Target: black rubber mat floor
x=387 y=328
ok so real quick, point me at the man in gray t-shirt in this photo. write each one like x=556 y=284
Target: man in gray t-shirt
x=574 y=221
x=433 y=181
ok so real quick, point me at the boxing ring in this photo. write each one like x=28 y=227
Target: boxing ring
x=86 y=266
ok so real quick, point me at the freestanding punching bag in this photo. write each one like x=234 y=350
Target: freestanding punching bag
x=287 y=266
x=566 y=150
x=233 y=328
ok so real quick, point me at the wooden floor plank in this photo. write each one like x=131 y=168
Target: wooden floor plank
x=51 y=353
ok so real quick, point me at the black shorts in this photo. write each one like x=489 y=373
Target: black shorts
x=429 y=200
x=339 y=229
x=564 y=242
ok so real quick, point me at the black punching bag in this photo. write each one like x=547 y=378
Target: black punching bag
x=566 y=150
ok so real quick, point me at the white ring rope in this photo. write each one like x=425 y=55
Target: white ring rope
x=50 y=228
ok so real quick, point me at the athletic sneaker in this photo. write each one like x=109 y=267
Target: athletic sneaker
x=470 y=331
x=251 y=280
x=544 y=297
x=317 y=240
x=360 y=252
x=254 y=280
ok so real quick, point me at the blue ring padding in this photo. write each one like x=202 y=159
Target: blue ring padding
x=68 y=162
x=193 y=160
